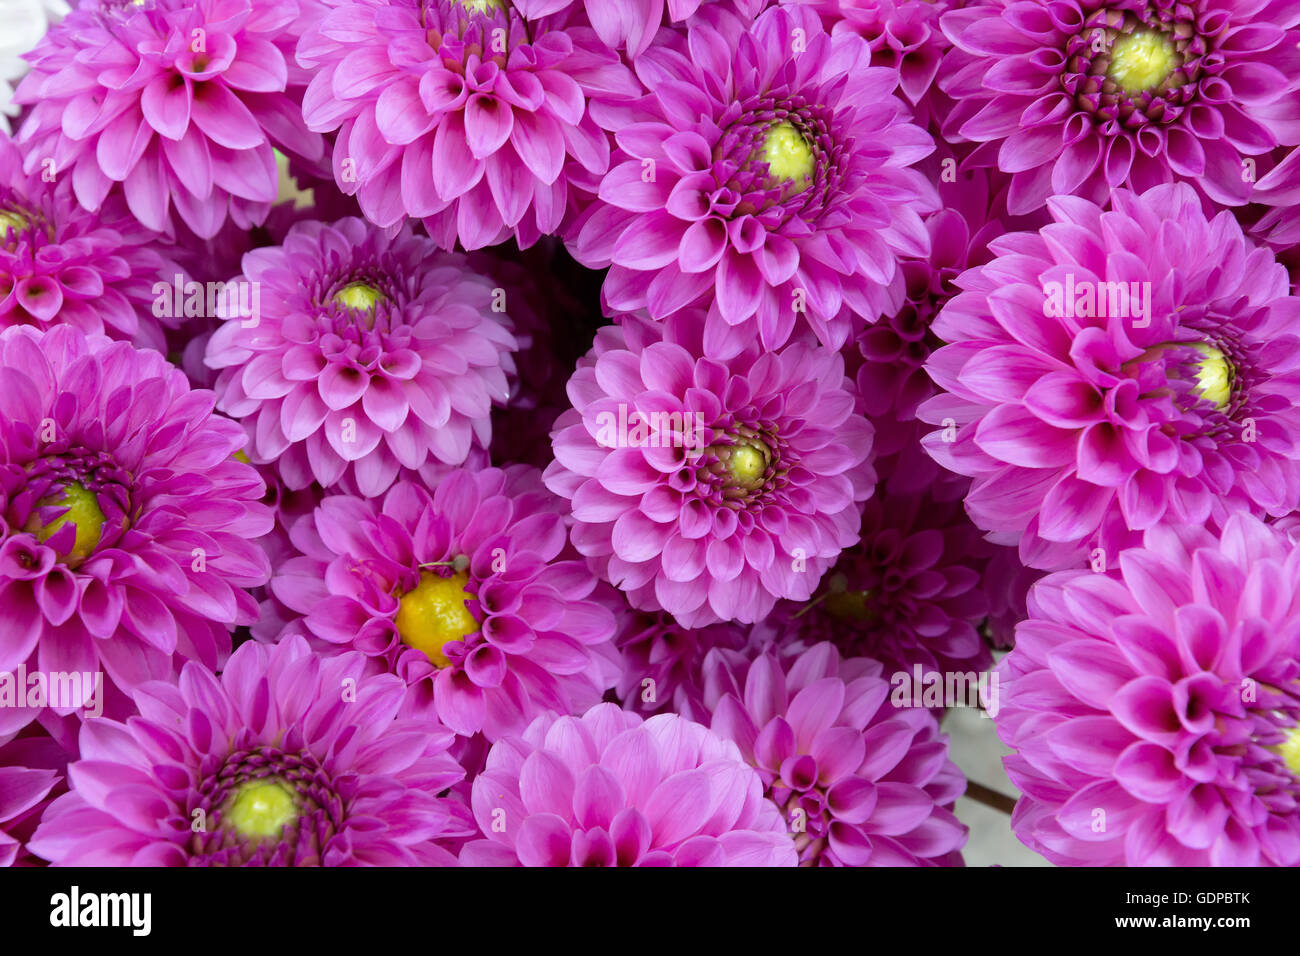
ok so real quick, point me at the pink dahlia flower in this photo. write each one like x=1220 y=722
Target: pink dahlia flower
x=125 y=520
x=908 y=594
x=631 y=26
x=60 y=264
x=1116 y=370
x=606 y=789
x=710 y=488
x=661 y=658
x=1084 y=96
x=372 y=351
x=765 y=176
x=470 y=594
x=460 y=114
x=1153 y=709
x=860 y=782
x=286 y=759
x=170 y=103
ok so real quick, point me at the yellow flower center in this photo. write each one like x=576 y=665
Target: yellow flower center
x=12 y=220
x=1289 y=750
x=260 y=809
x=746 y=464
x=1213 y=375
x=359 y=296
x=1141 y=61
x=482 y=6
x=433 y=613
x=788 y=156
x=83 y=512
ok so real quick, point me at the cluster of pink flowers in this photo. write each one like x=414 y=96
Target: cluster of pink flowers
x=558 y=433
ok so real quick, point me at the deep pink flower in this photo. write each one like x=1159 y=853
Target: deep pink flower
x=661 y=658
x=1079 y=428
x=860 y=782
x=606 y=789
x=470 y=594
x=126 y=524
x=286 y=759
x=763 y=176
x=373 y=351
x=1084 y=96
x=909 y=593
x=1153 y=708
x=710 y=488
x=459 y=114
x=170 y=103
x=60 y=264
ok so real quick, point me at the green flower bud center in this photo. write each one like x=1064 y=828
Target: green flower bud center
x=851 y=605
x=433 y=613
x=359 y=296
x=260 y=809
x=1214 y=375
x=82 y=511
x=1141 y=61
x=12 y=220
x=482 y=6
x=788 y=155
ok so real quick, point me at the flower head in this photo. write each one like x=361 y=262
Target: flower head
x=764 y=176
x=661 y=658
x=470 y=594
x=606 y=789
x=372 y=351
x=1163 y=695
x=1116 y=370
x=1089 y=95
x=862 y=783
x=289 y=759
x=910 y=593
x=710 y=488
x=170 y=103
x=126 y=523
x=60 y=264
x=462 y=114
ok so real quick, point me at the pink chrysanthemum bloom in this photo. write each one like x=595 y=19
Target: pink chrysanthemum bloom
x=710 y=488
x=372 y=351
x=1116 y=370
x=861 y=782
x=1084 y=96
x=1154 y=709
x=172 y=103
x=286 y=759
x=470 y=594
x=60 y=264
x=460 y=113
x=908 y=594
x=606 y=789
x=661 y=658
x=764 y=175
x=125 y=520
x=631 y=25
x=903 y=34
